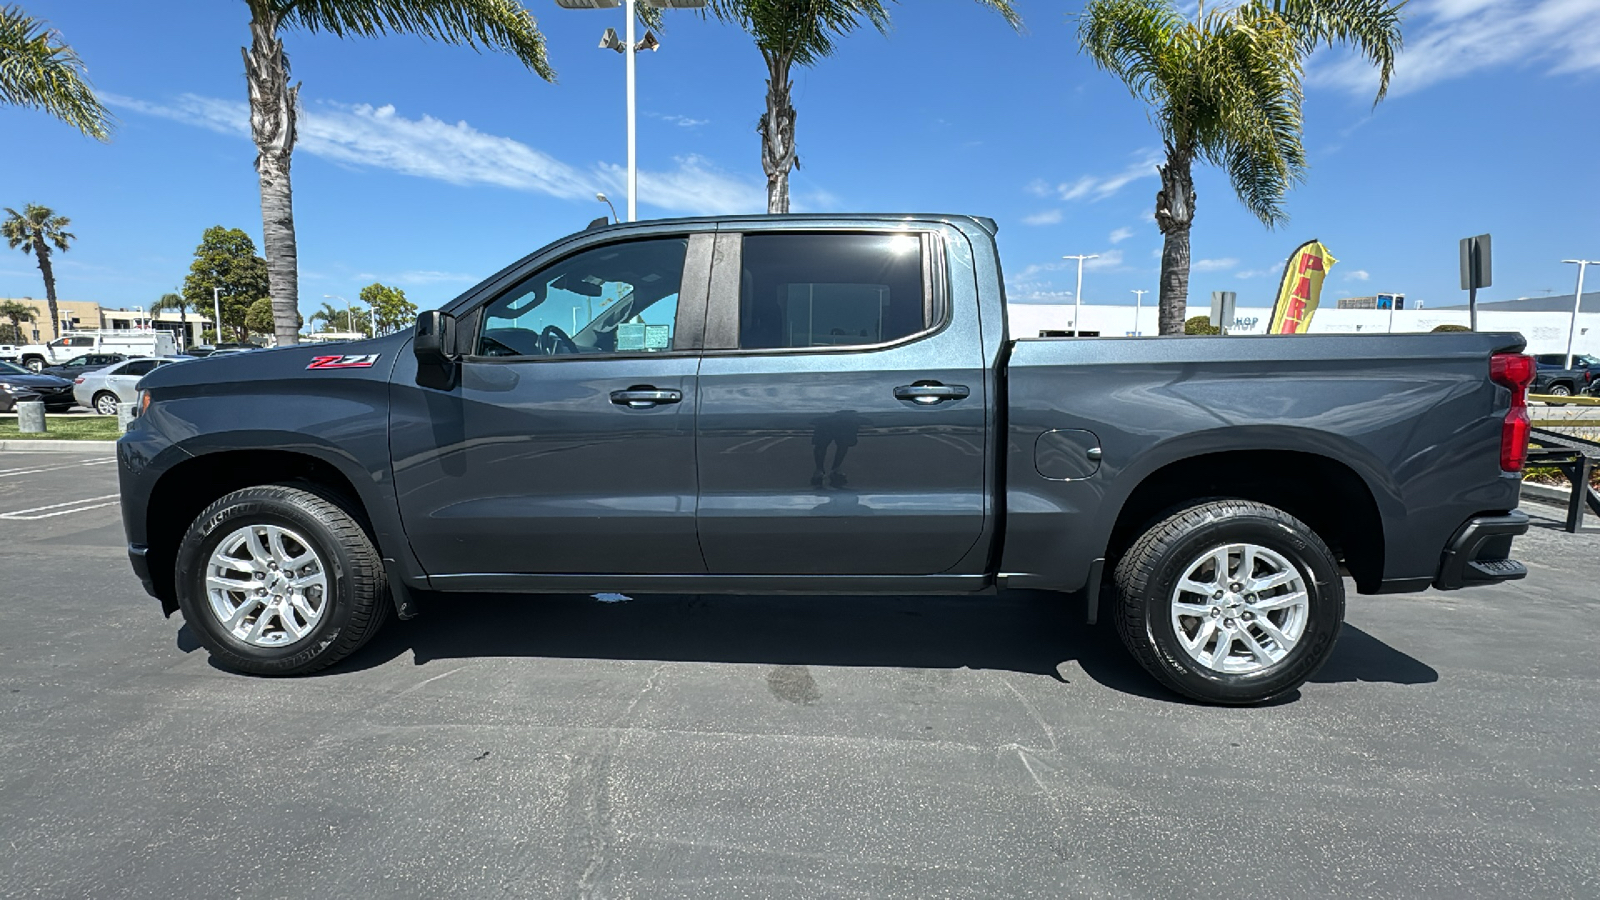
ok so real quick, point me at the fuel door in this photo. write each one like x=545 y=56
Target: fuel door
x=1067 y=454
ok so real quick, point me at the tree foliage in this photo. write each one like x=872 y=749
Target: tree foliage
x=389 y=307
x=37 y=230
x=1200 y=325
x=258 y=318
x=39 y=71
x=15 y=313
x=1447 y=328
x=226 y=259
x=496 y=25
x=801 y=33
x=345 y=320
x=1226 y=88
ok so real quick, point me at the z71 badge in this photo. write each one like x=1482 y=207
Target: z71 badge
x=343 y=362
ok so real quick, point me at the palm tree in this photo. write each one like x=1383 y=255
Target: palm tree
x=1226 y=88
x=17 y=313
x=33 y=231
x=501 y=25
x=175 y=301
x=39 y=71
x=800 y=33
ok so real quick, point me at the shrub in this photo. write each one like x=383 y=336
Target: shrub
x=1443 y=328
x=1200 y=325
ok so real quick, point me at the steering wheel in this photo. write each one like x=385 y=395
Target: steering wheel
x=553 y=340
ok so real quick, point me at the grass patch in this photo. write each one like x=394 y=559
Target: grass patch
x=64 y=428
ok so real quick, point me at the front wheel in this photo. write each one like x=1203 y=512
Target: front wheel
x=1230 y=602
x=276 y=580
x=34 y=364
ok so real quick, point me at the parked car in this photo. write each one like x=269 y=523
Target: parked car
x=825 y=404
x=11 y=395
x=87 y=362
x=1554 y=379
x=102 y=389
x=129 y=342
x=16 y=381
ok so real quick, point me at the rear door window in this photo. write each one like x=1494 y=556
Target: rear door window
x=138 y=367
x=831 y=290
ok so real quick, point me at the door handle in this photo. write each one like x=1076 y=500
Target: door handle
x=644 y=397
x=931 y=392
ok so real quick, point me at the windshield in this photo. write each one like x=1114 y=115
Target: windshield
x=13 y=369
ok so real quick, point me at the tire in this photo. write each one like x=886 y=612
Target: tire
x=105 y=403
x=34 y=364
x=1254 y=666
x=350 y=605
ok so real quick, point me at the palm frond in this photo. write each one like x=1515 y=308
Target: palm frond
x=1135 y=40
x=497 y=25
x=39 y=71
x=1372 y=27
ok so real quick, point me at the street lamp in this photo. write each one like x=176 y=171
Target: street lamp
x=607 y=201
x=627 y=47
x=1077 y=295
x=1138 y=299
x=1577 y=300
x=216 y=325
x=349 y=314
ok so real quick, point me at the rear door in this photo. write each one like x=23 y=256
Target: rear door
x=567 y=447
x=124 y=380
x=842 y=425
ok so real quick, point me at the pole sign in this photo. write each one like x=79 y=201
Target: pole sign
x=1222 y=307
x=1475 y=272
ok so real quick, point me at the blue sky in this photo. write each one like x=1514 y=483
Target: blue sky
x=429 y=167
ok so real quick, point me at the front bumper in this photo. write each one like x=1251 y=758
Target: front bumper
x=1480 y=552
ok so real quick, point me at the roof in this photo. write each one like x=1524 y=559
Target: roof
x=1548 y=303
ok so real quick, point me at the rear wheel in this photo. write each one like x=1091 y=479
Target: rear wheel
x=1558 y=390
x=105 y=403
x=277 y=580
x=1230 y=602
x=34 y=364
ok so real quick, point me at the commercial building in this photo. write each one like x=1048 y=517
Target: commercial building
x=85 y=315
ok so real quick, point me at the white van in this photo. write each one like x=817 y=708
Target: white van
x=127 y=342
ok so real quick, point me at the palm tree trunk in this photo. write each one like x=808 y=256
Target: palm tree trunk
x=272 y=125
x=1174 y=216
x=43 y=253
x=778 y=155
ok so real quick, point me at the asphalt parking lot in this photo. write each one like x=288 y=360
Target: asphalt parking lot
x=790 y=747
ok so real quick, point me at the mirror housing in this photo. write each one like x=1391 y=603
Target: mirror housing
x=435 y=339
x=434 y=343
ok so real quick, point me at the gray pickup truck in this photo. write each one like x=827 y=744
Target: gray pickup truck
x=821 y=405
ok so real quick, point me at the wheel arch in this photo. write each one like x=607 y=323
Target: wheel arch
x=1294 y=480
x=183 y=491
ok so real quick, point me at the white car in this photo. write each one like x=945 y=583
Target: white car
x=102 y=389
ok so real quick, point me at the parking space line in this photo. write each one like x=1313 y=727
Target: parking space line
x=34 y=470
x=61 y=509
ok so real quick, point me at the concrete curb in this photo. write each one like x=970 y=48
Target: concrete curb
x=1545 y=493
x=24 y=445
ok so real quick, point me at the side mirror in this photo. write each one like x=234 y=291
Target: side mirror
x=435 y=339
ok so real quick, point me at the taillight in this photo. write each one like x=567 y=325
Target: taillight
x=1513 y=371
x=78 y=380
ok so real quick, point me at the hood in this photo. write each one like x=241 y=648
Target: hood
x=284 y=363
x=36 y=381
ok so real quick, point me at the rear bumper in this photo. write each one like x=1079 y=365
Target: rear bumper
x=1480 y=552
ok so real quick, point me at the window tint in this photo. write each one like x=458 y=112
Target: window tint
x=830 y=290
x=138 y=367
x=620 y=298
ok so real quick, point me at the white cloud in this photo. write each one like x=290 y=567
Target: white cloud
x=680 y=121
x=1357 y=275
x=1448 y=39
x=1048 y=217
x=379 y=137
x=1094 y=187
x=1213 y=265
x=1120 y=235
x=1251 y=273
x=1108 y=259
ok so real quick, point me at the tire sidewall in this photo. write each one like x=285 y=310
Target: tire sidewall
x=1324 y=590
x=101 y=396
x=222 y=519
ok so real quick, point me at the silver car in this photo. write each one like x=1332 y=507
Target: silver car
x=102 y=389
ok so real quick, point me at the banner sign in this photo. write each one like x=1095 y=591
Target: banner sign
x=1301 y=289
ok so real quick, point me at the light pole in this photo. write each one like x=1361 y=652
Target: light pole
x=1138 y=300
x=627 y=47
x=349 y=314
x=216 y=309
x=1577 y=300
x=607 y=201
x=1077 y=295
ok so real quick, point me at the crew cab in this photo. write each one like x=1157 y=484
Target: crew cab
x=822 y=405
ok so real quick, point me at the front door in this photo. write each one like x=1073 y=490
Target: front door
x=567 y=447
x=841 y=408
